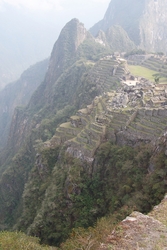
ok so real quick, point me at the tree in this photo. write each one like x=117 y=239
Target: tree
x=156 y=78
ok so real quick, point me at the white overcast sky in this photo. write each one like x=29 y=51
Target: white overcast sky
x=87 y=11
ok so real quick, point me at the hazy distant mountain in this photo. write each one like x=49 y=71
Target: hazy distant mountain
x=116 y=38
x=18 y=94
x=68 y=85
x=63 y=169
x=25 y=39
x=145 y=22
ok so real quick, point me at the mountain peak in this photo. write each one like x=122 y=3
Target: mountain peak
x=126 y=14
x=144 y=21
x=71 y=36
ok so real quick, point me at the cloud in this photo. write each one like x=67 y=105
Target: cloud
x=34 y=4
x=100 y=1
x=47 y=4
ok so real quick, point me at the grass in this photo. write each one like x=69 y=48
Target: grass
x=66 y=125
x=145 y=72
x=160 y=212
x=83 y=111
x=20 y=241
x=163 y=80
x=75 y=117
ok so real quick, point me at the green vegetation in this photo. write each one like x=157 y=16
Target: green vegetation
x=160 y=212
x=124 y=186
x=74 y=89
x=118 y=39
x=64 y=194
x=91 y=50
x=49 y=194
x=135 y=52
x=156 y=78
x=143 y=72
x=20 y=241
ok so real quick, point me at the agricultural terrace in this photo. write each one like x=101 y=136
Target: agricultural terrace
x=146 y=73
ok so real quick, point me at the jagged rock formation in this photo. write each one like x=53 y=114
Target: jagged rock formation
x=139 y=231
x=69 y=85
x=85 y=110
x=18 y=94
x=64 y=50
x=134 y=17
x=63 y=82
x=126 y=14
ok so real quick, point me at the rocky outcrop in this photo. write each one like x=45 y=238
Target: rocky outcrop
x=122 y=13
x=63 y=56
x=139 y=231
x=144 y=21
x=153 y=26
x=59 y=88
x=64 y=50
x=75 y=76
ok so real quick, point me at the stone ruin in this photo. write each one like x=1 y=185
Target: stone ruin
x=134 y=113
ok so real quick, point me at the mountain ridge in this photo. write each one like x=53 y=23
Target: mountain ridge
x=93 y=136
x=18 y=94
x=133 y=17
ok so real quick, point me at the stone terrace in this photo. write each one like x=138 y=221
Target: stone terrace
x=134 y=113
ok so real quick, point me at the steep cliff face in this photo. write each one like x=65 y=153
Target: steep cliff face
x=95 y=145
x=68 y=85
x=153 y=26
x=127 y=14
x=63 y=53
x=68 y=168
x=65 y=80
x=144 y=21
x=19 y=94
x=74 y=43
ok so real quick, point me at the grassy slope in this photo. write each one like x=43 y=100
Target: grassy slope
x=144 y=72
x=20 y=241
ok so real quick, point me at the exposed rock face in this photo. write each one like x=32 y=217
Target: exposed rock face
x=126 y=14
x=63 y=53
x=63 y=56
x=153 y=26
x=144 y=21
x=139 y=231
x=69 y=84
x=119 y=116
